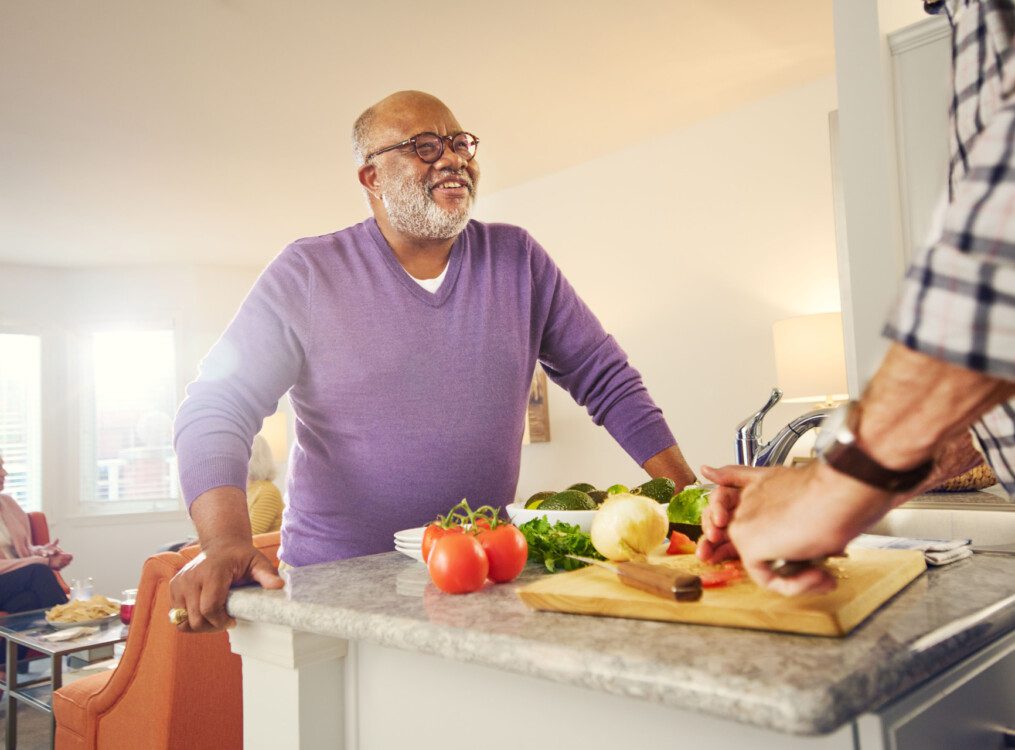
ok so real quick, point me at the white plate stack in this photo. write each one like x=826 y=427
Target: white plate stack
x=409 y=542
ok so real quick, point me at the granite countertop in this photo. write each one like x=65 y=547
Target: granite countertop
x=789 y=683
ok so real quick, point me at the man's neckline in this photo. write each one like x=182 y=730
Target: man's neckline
x=451 y=269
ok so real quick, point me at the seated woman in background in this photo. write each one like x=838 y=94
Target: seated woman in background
x=264 y=501
x=27 y=580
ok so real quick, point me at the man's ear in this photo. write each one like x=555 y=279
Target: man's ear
x=368 y=179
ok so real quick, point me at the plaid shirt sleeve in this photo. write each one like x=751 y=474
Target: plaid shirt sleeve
x=958 y=297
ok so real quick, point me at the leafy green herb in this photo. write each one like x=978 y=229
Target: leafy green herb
x=550 y=545
x=686 y=506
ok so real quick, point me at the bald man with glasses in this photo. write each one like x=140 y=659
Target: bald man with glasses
x=406 y=344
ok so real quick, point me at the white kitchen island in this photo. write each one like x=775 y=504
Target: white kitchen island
x=366 y=654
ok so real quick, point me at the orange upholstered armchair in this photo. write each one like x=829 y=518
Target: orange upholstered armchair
x=170 y=689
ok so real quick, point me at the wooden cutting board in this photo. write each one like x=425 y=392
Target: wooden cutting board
x=867 y=579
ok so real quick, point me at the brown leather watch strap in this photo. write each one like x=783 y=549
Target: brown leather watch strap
x=845 y=456
x=850 y=459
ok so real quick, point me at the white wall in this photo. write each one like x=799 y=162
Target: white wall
x=198 y=301
x=688 y=248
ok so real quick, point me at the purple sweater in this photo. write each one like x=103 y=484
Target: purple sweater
x=405 y=401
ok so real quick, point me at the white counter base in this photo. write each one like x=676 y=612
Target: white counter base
x=309 y=692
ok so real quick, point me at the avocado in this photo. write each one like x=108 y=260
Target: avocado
x=583 y=487
x=569 y=500
x=537 y=499
x=598 y=496
x=660 y=489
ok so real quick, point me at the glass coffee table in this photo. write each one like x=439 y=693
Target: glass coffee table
x=27 y=629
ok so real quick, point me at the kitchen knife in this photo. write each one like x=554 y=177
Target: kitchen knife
x=788 y=568
x=660 y=580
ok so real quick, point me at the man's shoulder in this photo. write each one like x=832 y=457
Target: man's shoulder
x=342 y=238
x=508 y=243
x=323 y=254
x=499 y=232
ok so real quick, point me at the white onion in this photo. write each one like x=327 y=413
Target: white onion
x=626 y=526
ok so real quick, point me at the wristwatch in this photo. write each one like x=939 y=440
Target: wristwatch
x=836 y=446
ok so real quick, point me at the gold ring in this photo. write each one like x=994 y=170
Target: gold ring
x=177 y=616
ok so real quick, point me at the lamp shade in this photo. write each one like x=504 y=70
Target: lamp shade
x=809 y=359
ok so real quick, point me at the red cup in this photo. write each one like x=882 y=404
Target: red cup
x=127 y=600
x=126 y=612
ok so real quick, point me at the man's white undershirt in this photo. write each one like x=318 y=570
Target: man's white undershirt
x=431 y=285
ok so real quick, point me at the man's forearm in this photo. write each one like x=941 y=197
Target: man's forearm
x=670 y=463
x=915 y=403
x=220 y=515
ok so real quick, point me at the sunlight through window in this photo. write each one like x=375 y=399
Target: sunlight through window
x=127 y=435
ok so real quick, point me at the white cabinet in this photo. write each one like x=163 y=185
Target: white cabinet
x=921 y=72
x=305 y=691
x=892 y=153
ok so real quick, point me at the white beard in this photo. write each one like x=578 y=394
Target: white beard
x=412 y=210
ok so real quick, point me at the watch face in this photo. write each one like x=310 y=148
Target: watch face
x=830 y=428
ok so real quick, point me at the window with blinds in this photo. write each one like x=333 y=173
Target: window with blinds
x=127 y=406
x=20 y=418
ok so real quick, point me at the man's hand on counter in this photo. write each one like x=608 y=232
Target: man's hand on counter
x=790 y=514
x=228 y=557
x=202 y=585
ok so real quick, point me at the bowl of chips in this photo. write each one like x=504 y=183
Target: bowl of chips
x=94 y=611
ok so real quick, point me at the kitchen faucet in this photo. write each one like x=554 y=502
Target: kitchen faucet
x=749 y=450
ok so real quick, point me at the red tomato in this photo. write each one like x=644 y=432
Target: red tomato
x=680 y=544
x=481 y=523
x=434 y=532
x=507 y=551
x=724 y=576
x=458 y=564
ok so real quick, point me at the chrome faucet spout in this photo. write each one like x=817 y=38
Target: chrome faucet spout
x=749 y=450
x=775 y=451
x=749 y=431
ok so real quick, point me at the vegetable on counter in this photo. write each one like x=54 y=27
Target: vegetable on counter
x=687 y=505
x=628 y=526
x=680 y=544
x=458 y=564
x=728 y=572
x=465 y=547
x=579 y=496
x=551 y=543
x=660 y=489
x=506 y=549
x=433 y=532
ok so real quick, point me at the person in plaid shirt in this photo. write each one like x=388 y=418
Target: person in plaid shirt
x=950 y=368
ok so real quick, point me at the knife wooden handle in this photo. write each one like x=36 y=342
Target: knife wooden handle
x=660 y=580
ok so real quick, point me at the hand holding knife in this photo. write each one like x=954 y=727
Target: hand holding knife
x=789 y=568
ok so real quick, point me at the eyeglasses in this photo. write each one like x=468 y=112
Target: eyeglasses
x=430 y=146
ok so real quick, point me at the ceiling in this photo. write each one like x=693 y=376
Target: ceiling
x=216 y=131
